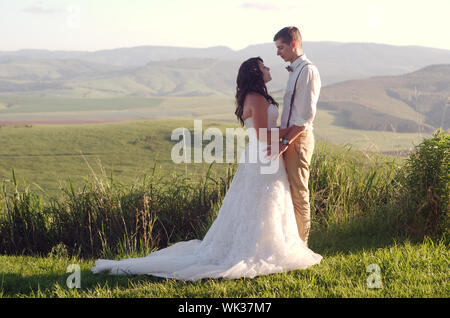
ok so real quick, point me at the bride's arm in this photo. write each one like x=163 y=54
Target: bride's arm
x=290 y=134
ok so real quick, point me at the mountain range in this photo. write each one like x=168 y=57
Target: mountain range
x=336 y=61
x=366 y=85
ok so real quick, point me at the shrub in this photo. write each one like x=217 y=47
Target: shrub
x=425 y=188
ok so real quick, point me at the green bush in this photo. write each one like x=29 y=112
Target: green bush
x=425 y=188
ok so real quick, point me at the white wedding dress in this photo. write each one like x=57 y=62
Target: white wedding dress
x=255 y=233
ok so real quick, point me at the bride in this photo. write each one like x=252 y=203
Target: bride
x=255 y=232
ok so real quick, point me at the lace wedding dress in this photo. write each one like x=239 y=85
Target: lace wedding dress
x=255 y=232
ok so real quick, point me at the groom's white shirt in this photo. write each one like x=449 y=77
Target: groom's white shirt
x=306 y=96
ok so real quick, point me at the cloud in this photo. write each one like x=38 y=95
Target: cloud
x=38 y=8
x=267 y=6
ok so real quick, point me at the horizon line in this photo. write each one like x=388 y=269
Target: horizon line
x=214 y=46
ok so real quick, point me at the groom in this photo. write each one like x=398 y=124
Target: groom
x=299 y=109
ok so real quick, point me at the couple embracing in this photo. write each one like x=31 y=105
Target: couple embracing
x=263 y=224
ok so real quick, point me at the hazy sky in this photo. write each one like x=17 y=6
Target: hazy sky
x=91 y=25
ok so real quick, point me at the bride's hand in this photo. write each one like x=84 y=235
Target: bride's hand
x=281 y=148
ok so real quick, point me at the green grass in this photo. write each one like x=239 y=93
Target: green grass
x=407 y=270
x=350 y=235
x=128 y=149
x=364 y=140
x=31 y=104
x=354 y=224
x=23 y=108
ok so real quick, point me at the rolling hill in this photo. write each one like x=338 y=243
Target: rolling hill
x=182 y=77
x=412 y=102
x=76 y=78
x=337 y=61
x=20 y=75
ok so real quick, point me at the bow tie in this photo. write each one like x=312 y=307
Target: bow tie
x=289 y=68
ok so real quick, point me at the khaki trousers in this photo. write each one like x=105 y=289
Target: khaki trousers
x=297 y=159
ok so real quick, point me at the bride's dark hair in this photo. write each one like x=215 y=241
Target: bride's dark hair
x=250 y=79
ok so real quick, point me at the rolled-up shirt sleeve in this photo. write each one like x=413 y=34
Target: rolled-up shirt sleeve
x=306 y=97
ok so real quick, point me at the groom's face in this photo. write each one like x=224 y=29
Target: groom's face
x=284 y=50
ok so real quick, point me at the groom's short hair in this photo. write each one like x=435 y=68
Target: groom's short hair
x=289 y=34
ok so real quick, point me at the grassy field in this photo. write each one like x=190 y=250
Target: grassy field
x=353 y=231
x=129 y=148
x=31 y=104
x=344 y=232
x=19 y=109
x=407 y=270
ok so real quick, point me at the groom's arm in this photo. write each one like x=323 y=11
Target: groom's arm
x=305 y=102
x=304 y=106
x=292 y=133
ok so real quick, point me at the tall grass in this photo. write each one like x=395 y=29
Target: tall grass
x=343 y=185
x=106 y=218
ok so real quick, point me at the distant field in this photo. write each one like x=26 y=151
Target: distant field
x=367 y=140
x=51 y=110
x=33 y=110
x=43 y=148
x=34 y=104
x=49 y=154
